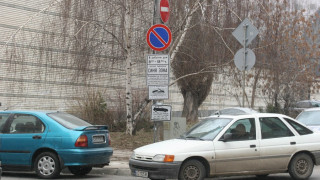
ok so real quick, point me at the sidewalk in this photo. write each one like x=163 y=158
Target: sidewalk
x=119 y=164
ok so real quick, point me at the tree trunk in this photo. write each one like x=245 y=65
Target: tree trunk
x=128 y=24
x=190 y=106
x=254 y=88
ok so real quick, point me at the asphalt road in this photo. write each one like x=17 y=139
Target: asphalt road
x=29 y=176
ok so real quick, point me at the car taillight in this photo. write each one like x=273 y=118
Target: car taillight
x=82 y=141
x=109 y=139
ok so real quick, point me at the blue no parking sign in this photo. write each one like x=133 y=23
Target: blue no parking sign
x=159 y=37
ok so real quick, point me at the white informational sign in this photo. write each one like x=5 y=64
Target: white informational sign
x=158 y=92
x=158 y=68
x=161 y=113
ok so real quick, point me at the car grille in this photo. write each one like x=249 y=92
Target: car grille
x=143 y=158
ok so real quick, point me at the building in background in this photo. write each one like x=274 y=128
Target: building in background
x=53 y=53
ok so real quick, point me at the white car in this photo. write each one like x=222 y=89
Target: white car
x=311 y=118
x=226 y=145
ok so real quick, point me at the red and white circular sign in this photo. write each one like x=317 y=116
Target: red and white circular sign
x=164 y=10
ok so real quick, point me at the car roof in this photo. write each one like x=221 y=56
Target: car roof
x=312 y=109
x=312 y=100
x=235 y=111
x=29 y=111
x=238 y=116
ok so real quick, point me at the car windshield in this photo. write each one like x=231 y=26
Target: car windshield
x=309 y=118
x=207 y=129
x=235 y=111
x=67 y=120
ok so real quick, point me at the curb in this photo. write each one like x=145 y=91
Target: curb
x=111 y=171
x=115 y=168
x=120 y=168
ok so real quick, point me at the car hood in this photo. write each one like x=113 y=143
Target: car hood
x=175 y=146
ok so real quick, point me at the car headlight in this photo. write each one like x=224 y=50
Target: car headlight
x=163 y=158
x=133 y=155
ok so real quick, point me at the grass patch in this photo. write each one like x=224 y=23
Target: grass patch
x=121 y=140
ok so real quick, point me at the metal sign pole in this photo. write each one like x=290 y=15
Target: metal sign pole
x=245 y=27
x=156 y=20
x=244 y=58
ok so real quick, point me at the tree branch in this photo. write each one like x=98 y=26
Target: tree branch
x=31 y=18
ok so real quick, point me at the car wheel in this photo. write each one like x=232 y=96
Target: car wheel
x=79 y=170
x=47 y=165
x=192 y=170
x=301 y=167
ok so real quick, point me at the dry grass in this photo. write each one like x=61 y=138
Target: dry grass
x=120 y=140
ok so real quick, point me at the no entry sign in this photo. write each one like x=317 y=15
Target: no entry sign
x=164 y=10
x=159 y=37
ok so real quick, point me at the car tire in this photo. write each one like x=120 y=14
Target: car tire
x=47 y=165
x=80 y=170
x=192 y=169
x=301 y=167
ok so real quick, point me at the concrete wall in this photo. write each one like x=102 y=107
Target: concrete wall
x=37 y=66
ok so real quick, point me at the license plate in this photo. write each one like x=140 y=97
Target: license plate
x=98 y=139
x=142 y=174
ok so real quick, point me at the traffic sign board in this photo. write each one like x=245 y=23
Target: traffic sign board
x=164 y=10
x=158 y=59
x=245 y=32
x=161 y=112
x=244 y=60
x=158 y=92
x=158 y=68
x=159 y=37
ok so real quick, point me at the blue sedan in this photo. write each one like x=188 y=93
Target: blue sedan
x=48 y=141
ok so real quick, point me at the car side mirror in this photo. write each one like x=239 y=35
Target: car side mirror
x=226 y=137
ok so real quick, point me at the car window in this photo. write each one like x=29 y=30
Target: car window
x=243 y=129
x=315 y=104
x=304 y=104
x=3 y=119
x=298 y=127
x=273 y=127
x=67 y=120
x=309 y=118
x=25 y=123
x=207 y=129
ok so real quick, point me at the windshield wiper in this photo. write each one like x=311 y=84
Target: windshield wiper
x=193 y=137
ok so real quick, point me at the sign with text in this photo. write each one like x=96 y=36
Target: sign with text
x=158 y=68
x=161 y=113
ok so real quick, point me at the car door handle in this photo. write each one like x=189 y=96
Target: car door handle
x=293 y=143
x=253 y=146
x=36 y=137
